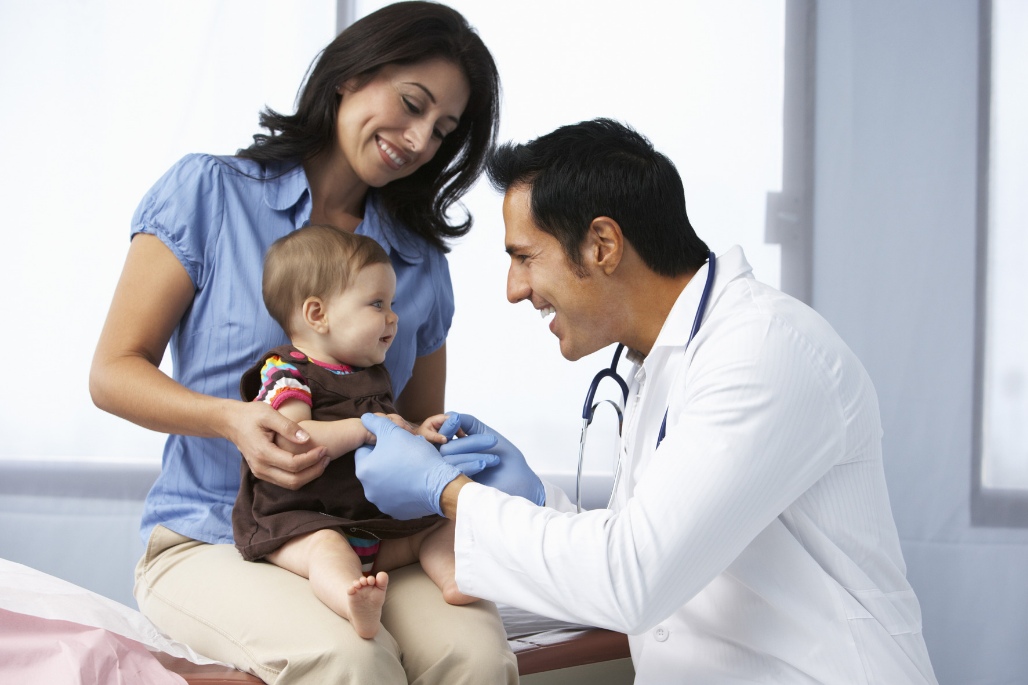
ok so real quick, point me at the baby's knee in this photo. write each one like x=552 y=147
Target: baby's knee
x=325 y=536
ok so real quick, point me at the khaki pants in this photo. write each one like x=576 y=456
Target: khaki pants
x=265 y=620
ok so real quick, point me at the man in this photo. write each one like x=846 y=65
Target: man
x=754 y=542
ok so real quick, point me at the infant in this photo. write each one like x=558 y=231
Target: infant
x=331 y=291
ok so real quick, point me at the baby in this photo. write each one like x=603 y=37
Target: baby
x=331 y=291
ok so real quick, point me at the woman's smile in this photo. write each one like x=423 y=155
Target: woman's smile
x=392 y=156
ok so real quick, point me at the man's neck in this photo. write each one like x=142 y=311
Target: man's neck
x=651 y=299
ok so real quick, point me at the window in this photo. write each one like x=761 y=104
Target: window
x=101 y=97
x=1000 y=478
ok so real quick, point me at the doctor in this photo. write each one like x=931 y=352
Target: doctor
x=756 y=543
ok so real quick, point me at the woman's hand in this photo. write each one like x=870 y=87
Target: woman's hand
x=253 y=426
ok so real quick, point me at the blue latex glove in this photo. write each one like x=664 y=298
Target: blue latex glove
x=512 y=475
x=403 y=474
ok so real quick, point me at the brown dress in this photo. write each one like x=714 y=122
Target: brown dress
x=267 y=516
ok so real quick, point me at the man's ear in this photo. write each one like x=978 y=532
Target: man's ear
x=604 y=244
x=315 y=314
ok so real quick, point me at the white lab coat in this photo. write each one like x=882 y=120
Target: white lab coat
x=757 y=543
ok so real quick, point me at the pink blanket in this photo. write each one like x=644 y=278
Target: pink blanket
x=40 y=650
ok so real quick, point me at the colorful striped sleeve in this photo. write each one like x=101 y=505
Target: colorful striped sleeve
x=281 y=381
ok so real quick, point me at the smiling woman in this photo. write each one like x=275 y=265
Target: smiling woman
x=393 y=124
x=391 y=129
x=430 y=96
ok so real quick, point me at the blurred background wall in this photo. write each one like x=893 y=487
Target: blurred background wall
x=895 y=243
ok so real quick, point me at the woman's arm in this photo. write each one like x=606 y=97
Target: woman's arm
x=152 y=295
x=425 y=392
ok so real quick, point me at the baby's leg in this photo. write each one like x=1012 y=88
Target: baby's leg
x=326 y=559
x=434 y=548
x=437 y=559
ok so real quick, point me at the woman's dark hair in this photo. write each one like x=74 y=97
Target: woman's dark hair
x=603 y=168
x=402 y=33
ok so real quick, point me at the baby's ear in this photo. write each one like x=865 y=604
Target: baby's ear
x=314 y=314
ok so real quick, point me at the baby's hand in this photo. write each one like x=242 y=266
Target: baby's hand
x=429 y=429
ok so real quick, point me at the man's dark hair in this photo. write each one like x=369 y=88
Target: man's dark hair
x=603 y=168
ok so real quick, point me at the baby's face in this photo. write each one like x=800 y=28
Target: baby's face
x=361 y=320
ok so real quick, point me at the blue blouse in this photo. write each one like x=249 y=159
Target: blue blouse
x=219 y=218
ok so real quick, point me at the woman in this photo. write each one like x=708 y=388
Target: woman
x=392 y=127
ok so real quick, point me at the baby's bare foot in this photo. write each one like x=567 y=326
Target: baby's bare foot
x=365 y=598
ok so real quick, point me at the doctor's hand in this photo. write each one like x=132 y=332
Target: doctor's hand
x=404 y=475
x=512 y=475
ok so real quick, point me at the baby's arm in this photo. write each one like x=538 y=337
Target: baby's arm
x=346 y=435
x=337 y=437
x=429 y=429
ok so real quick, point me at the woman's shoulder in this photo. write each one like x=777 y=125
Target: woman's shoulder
x=196 y=167
x=195 y=173
x=197 y=187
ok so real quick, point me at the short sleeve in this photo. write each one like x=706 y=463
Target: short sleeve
x=436 y=326
x=184 y=209
x=281 y=381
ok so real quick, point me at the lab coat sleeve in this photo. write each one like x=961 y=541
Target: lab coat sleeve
x=758 y=423
x=557 y=498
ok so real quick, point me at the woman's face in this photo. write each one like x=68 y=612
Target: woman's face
x=396 y=122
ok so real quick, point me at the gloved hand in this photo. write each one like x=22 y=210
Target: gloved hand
x=403 y=474
x=512 y=475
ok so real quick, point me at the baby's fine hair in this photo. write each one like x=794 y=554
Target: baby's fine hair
x=313 y=261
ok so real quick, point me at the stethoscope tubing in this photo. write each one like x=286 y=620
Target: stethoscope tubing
x=589 y=408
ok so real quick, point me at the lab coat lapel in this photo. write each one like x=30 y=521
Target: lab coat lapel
x=663 y=371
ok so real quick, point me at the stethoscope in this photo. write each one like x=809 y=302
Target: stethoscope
x=589 y=409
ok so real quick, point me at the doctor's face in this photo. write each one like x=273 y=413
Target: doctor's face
x=541 y=273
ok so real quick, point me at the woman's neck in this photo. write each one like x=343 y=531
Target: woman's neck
x=337 y=193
